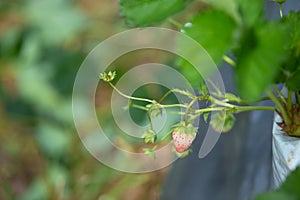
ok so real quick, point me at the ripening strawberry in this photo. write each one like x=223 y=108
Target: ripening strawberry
x=183 y=136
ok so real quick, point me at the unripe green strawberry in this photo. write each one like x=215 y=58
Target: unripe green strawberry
x=183 y=136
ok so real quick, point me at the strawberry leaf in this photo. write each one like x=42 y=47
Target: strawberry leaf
x=294 y=80
x=150 y=152
x=213 y=29
x=258 y=64
x=230 y=7
x=251 y=11
x=205 y=116
x=146 y=12
x=289 y=190
x=277 y=195
x=291 y=185
x=222 y=121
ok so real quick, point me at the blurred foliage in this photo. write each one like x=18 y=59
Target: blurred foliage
x=235 y=27
x=42 y=45
x=289 y=190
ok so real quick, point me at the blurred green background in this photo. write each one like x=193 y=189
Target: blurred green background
x=42 y=45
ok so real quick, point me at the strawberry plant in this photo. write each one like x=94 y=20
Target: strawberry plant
x=263 y=53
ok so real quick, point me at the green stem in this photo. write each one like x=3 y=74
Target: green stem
x=297 y=96
x=176 y=113
x=279 y=105
x=175 y=23
x=215 y=87
x=130 y=97
x=249 y=108
x=188 y=94
x=280 y=10
x=221 y=103
x=165 y=136
x=169 y=112
x=229 y=61
x=289 y=100
x=280 y=94
x=139 y=107
x=165 y=96
x=173 y=105
x=236 y=109
x=188 y=110
x=150 y=121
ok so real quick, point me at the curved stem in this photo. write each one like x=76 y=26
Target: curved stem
x=279 y=105
x=249 y=108
x=236 y=109
x=175 y=23
x=221 y=103
x=188 y=94
x=289 y=100
x=165 y=96
x=229 y=60
x=170 y=112
x=297 y=96
x=150 y=120
x=139 y=107
x=187 y=111
x=165 y=136
x=130 y=97
x=173 y=105
x=280 y=94
x=280 y=10
x=215 y=87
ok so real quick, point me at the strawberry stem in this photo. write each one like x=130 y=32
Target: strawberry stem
x=229 y=60
x=150 y=120
x=188 y=94
x=188 y=110
x=280 y=94
x=280 y=10
x=289 y=101
x=175 y=23
x=130 y=97
x=297 y=96
x=279 y=106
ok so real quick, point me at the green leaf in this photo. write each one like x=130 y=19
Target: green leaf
x=222 y=121
x=289 y=190
x=150 y=152
x=189 y=72
x=291 y=184
x=146 y=12
x=251 y=11
x=213 y=29
x=293 y=21
x=149 y=136
x=293 y=41
x=257 y=65
x=232 y=98
x=293 y=82
x=277 y=195
x=154 y=109
x=228 y=6
x=205 y=116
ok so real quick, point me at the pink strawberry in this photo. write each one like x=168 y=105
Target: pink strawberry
x=183 y=136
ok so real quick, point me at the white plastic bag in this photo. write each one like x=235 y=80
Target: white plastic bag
x=286 y=151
